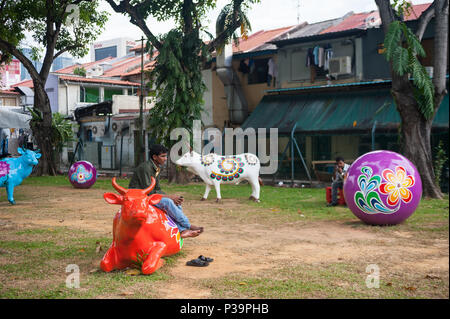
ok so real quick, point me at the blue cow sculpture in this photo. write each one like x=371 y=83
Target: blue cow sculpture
x=14 y=170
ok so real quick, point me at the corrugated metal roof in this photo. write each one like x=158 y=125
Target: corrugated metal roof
x=356 y=21
x=333 y=112
x=311 y=29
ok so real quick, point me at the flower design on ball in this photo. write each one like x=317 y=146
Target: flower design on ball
x=81 y=175
x=396 y=185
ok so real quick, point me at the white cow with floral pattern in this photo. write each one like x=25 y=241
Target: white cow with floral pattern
x=215 y=169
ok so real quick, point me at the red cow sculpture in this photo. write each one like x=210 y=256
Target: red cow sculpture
x=142 y=233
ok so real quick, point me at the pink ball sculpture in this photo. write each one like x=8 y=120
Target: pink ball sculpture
x=82 y=174
x=382 y=188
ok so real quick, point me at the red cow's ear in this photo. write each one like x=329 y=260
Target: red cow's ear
x=113 y=198
x=155 y=199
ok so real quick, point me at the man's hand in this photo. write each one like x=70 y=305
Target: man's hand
x=178 y=200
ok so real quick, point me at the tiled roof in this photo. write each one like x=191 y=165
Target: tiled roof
x=258 y=40
x=416 y=11
x=98 y=80
x=366 y=20
x=349 y=21
x=26 y=83
x=71 y=68
x=9 y=92
x=122 y=67
x=147 y=66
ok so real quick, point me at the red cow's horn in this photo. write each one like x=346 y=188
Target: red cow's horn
x=117 y=187
x=150 y=188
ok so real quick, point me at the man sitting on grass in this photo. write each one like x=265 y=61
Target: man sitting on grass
x=171 y=204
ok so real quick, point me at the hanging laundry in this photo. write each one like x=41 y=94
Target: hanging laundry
x=310 y=57
x=272 y=71
x=328 y=55
x=321 y=57
x=316 y=55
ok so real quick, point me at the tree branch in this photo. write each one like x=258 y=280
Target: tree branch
x=424 y=19
x=223 y=35
x=135 y=18
x=68 y=48
x=8 y=47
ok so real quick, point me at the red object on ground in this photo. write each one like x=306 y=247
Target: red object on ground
x=142 y=233
x=341 y=199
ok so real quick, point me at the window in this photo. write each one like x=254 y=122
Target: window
x=102 y=53
x=110 y=92
x=89 y=95
x=321 y=148
x=258 y=71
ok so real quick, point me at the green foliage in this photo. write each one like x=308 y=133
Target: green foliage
x=178 y=82
x=440 y=160
x=405 y=60
x=79 y=71
x=402 y=7
x=225 y=21
x=177 y=77
x=22 y=17
x=62 y=132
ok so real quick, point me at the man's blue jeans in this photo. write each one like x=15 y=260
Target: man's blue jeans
x=334 y=190
x=175 y=212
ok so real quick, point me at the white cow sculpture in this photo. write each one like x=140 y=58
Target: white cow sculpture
x=215 y=169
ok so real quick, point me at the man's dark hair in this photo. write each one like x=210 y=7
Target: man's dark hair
x=157 y=149
x=339 y=158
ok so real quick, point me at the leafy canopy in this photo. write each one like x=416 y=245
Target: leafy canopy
x=36 y=17
x=177 y=75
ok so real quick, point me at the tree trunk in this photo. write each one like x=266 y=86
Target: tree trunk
x=415 y=129
x=177 y=175
x=416 y=145
x=42 y=131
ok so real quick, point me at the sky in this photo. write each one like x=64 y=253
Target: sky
x=266 y=15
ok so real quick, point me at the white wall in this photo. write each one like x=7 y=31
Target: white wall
x=70 y=94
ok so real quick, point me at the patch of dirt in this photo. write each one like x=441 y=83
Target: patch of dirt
x=240 y=243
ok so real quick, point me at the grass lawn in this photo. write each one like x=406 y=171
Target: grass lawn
x=29 y=256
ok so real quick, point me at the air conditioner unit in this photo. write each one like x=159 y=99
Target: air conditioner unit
x=341 y=65
x=97 y=130
x=116 y=127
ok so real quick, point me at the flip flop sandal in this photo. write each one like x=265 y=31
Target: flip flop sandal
x=203 y=258
x=197 y=263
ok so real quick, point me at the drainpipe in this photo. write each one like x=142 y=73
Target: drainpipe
x=373 y=135
x=121 y=147
x=67 y=97
x=236 y=102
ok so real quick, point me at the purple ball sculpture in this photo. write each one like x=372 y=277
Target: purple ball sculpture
x=82 y=174
x=382 y=188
